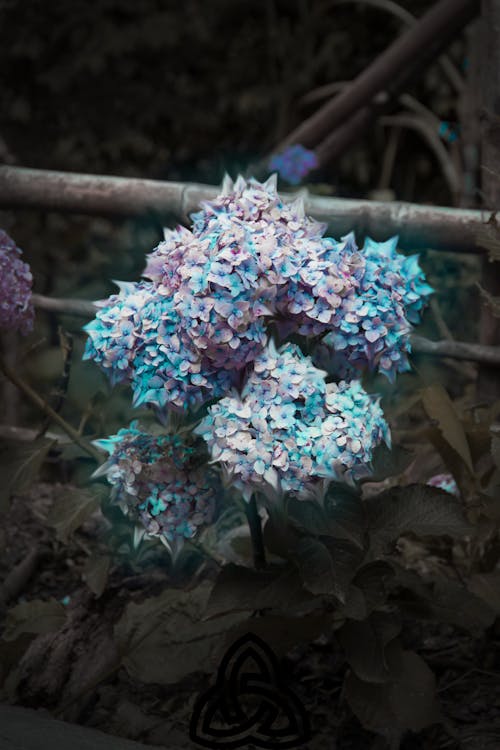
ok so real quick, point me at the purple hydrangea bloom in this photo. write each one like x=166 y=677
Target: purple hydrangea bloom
x=197 y=324
x=16 y=306
x=444 y=482
x=294 y=163
x=137 y=338
x=289 y=430
x=371 y=327
x=157 y=480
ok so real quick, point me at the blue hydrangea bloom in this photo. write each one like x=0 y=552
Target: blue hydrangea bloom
x=156 y=479
x=294 y=163
x=289 y=430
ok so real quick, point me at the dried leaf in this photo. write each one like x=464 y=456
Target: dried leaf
x=440 y=408
x=71 y=509
x=96 y=573
x=163 y=639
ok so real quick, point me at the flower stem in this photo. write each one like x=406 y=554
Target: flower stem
x=11 y=375
x=255 y=525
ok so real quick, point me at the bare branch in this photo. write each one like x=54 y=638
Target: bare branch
x=488 y=355
x=79 y=307
x=417 y=226
x=421 y=43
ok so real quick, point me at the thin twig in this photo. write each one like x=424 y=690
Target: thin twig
x=65 y=306
x=61 y=390
x=39 y=401
x=488 y=355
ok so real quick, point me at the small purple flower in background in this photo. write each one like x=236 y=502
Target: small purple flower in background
x=16 y=306
x=294 y=163
x=444 y=482
x=156 y=479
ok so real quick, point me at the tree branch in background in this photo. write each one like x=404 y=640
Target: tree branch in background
x=418 y=227
x=46 y=409
x=389 y=72
x=388 y=6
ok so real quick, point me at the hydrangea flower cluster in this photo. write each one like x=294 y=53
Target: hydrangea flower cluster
x=16 y=306
x=371 y=327
x=137 y=338
x=182 y=336
x=444 y=482
x=294 y=163
x=157 y=479
x=289 y=429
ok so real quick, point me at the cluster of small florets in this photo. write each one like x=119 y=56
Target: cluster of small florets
x=156 y=479
x=16 y=306
x=182 y=337
x=289 y=429
x=371 y=327
x=294 y=163
x=137 y=338
x=444 y=482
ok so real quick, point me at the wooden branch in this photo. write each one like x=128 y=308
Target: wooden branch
x=488 y=355
x=418 y=227
x=421 y=43
x=453 y=349
x=80 y=308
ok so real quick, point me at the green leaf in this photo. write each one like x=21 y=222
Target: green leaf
x=344 y=513
x=316 y=566
x=365 y=642
x=308 y=515
x=440 y=408
x=341 y=515
x=20 y=464
x=164 y=638
x=443 y=601
x=388 y=462
x=407 y=701
x=372 y=579
x=424 y=510
x=72 y=507
x=36 y=617
x=239 y=589
x=96 y=573
x=326 y=566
